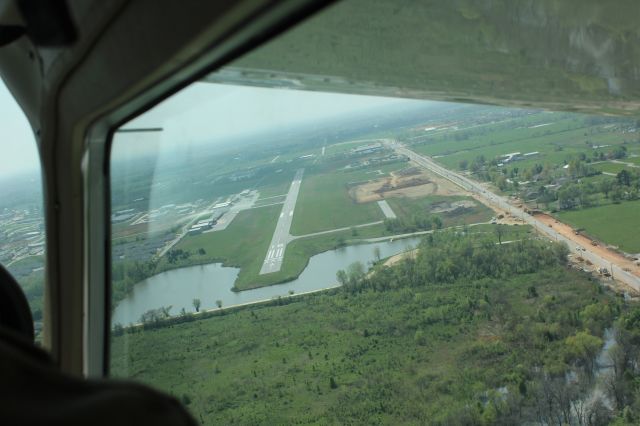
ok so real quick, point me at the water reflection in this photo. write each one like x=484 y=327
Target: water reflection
x=213 y=282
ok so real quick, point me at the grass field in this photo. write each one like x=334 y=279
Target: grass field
x=617 y=224
x=559 y=141
x=301 y=250
x=270 y=200
x=324 y=203
x=231 y=245
x=243 y=244
x=274 y=187
x=406 y=207
x=400 y=357
x=608 y=167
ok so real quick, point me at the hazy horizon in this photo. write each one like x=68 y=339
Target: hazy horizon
x=17 y=141
x=203 y=113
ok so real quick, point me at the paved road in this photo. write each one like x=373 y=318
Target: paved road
x=501 y=202
x=275 y=253
x=330 y=231
x=386 y=209
x=416 y=234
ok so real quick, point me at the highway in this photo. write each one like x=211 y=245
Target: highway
x=490 y=198
x=275 y=253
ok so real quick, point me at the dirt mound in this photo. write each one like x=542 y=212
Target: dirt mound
x=402 y=183
x=410 y=182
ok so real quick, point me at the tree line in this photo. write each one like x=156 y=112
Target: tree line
x=449 y=256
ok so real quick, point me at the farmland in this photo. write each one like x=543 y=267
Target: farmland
x=623 y=231
x=575 y=167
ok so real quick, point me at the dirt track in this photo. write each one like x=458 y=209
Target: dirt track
x=584 y=242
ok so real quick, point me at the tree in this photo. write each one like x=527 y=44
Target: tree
x=118 y=329
x=618 y=152
x=219 y=303
x=499 y=230
x=376 y=253
x=624 y=177
x=583 y=348
x=186 y=400
x=332 y=383
x=165 y=311
x=605 y=187
x=202 y=251
x=617 y=194
x=341 y=276
x=355 y=271
x=196 y=304
x=437 y=222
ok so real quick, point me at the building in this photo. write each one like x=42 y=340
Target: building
x=222 y=205
x=512 y=156
x=367 y=149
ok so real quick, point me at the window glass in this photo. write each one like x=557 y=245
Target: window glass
x=22 y=238
x=284 y=256
x=288 y=248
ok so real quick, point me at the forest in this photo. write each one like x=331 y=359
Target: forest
x=466 y=332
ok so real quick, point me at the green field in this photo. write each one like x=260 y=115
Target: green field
x=566 y=137
x=301 y=250
x=324 y=203
x=407 y=207
x=243 y=244
x=616 y=224
x=609 y=167
x=274 y=187
x=231 y=245
x=405 y=354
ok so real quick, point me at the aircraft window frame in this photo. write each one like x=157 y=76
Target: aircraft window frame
x=266 y=24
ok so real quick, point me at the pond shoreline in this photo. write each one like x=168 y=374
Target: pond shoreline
x=176 y=289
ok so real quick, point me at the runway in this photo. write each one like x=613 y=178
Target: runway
x=280 y=239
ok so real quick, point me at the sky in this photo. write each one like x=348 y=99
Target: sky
x=18 y=153
x=202 y=112
x=214 y=113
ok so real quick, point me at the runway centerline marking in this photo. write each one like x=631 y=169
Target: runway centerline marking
x=278 y=245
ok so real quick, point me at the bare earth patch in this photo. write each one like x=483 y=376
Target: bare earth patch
x=585 y=242
x=412 y=183
x=400 y=256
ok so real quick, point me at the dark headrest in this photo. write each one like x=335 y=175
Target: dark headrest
x=15 y=314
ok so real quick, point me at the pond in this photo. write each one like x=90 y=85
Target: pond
x=177 y=288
